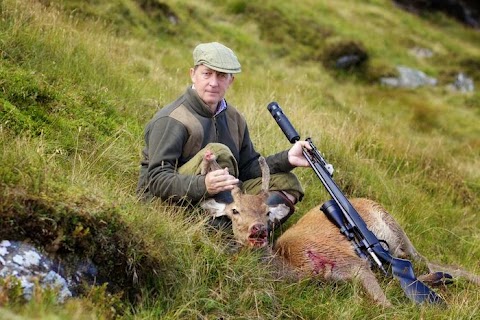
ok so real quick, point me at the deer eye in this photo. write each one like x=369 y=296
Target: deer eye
x=235 y=211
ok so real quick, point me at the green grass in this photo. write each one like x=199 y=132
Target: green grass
x=80 y=79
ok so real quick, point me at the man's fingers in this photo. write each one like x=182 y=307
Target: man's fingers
x=227 y=181
x=220 y=180
x=307 y=145
x=220 y=172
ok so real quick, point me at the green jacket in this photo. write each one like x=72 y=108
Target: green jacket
x=181 y=129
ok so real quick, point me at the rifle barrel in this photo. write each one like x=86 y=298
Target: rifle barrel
x=283 y=122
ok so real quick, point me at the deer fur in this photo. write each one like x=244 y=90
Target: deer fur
x=314 y=247
x=249 y=213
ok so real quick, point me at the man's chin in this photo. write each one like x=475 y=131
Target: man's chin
x=212 y=102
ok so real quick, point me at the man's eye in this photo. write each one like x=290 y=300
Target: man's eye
x=235 y=211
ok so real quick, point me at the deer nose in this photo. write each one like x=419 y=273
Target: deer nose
x=258 y=227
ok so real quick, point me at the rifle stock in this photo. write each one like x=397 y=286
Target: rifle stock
x=340 y=211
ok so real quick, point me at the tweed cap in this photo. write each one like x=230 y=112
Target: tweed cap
x=217 y=57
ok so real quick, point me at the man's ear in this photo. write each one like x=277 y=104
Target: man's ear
x=192 y=72
x=216 y=209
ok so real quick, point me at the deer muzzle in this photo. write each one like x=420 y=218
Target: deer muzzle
x=258 y=235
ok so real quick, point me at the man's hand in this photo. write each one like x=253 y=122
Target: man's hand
x=220 y=180
x=295 y=154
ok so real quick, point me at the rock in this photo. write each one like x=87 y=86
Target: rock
x=30 y=266
x=421 y=52
x=349 y=61
x=462 y=83
x=409 y=78
x=464 y=11
x=345 y=55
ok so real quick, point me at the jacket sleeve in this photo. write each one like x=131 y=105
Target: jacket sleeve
x=250 y=168
x=165 y=140
x=279 y=162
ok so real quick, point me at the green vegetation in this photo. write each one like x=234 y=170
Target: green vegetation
x=80 y=79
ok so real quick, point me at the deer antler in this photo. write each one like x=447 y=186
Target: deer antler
x=265 y=174
x=209 y=162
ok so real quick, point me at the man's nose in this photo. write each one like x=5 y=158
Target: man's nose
x=213 y=81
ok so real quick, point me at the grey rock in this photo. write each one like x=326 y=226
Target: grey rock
x=409 y=78
x=462 y=83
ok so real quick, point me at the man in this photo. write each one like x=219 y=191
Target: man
x=202 y=119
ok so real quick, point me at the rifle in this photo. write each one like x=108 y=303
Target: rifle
x=341 y=212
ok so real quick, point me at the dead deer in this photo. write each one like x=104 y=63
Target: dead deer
x=314 y=247
x=249 y=213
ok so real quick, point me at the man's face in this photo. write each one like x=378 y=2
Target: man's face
x=210 y=85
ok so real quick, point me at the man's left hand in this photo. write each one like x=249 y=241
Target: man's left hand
x=295 y=154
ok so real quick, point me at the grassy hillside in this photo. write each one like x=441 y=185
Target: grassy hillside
x=80 y=79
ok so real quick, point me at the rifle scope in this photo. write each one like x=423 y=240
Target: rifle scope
x=283 y=122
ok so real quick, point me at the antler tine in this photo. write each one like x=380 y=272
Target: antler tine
x=265 y=174
x=209 y=163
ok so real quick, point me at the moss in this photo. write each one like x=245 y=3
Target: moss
x=299 y=38
x=138 y=18
x=345 y=56
x=71 y=233
x=471 y=67
x=31 y=105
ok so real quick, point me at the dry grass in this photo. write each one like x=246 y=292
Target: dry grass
x=80 y=80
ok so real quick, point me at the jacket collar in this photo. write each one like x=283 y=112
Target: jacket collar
x=196 y=103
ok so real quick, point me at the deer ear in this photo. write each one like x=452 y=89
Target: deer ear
x=215 y=208
x=264 y=195
x=236 y=194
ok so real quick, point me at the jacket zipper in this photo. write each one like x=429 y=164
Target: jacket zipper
x=216 y=128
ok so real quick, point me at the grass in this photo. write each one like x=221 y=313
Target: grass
x=80 y=79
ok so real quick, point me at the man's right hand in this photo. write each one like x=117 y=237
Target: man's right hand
x=220 y=180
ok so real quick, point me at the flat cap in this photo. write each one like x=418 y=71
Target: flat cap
x=217 y=57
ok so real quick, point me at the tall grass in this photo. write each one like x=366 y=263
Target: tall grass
x=80 y=79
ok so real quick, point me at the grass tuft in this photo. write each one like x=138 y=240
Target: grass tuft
x=80 y=79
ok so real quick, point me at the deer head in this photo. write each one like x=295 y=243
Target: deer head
x=250 y=215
